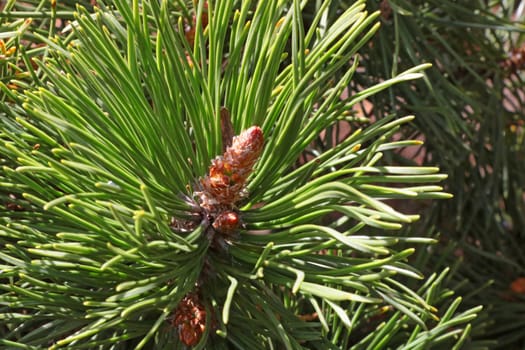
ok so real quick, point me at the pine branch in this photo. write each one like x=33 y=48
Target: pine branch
x=118 y=231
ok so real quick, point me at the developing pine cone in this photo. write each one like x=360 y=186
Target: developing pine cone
x=224 y=184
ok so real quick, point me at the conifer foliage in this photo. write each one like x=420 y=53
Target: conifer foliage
x=130 y=221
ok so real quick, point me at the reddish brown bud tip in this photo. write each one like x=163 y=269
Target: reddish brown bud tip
x=249 y=141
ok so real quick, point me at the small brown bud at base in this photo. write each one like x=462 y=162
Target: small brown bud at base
x=190 y=320
x=226 y=222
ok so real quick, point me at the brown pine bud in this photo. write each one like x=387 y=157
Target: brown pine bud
x=227 y=175
x=190 y=319
x=226 y=222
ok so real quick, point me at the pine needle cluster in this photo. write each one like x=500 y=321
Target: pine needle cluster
x=131 y=222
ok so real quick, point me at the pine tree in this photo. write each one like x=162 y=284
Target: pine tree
x=180 y=176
